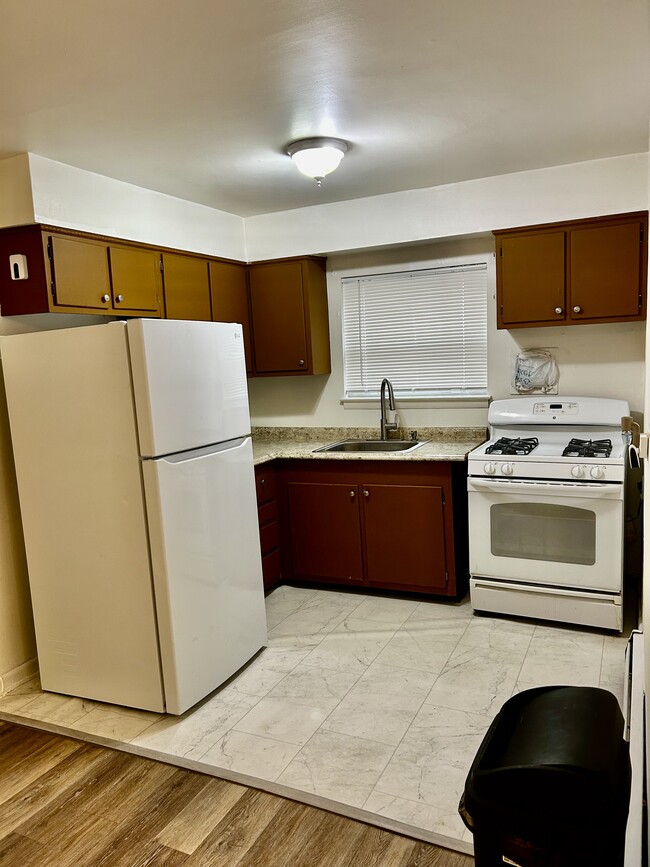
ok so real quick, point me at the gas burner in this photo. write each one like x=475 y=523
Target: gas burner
x=508 y=446
x=588 y=449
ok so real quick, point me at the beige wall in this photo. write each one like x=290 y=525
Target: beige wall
x=605 y=360
x=16 y=203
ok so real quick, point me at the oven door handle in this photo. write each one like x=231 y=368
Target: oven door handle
x=607 y=490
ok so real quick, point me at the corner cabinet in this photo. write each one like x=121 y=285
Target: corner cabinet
x=230 y=302
x=187 y=287
x=582 y=271
x=289 y=317
x=267 y=514
x=379 y=524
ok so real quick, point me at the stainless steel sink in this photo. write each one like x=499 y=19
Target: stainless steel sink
x=373 y=446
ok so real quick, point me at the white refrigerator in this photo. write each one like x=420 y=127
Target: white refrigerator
x=137 y=493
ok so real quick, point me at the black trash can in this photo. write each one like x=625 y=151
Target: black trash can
x=550 y=784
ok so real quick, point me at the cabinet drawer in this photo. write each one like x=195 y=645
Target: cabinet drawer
x=269 y=537
x=271 y=568
x=267 y=513
x=265 y=485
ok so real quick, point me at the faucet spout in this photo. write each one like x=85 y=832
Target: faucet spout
x=385 y=425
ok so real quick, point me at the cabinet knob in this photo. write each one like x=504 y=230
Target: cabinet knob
x=262 y=481
x=352 y=495
x=301 y=362
x=105 y=299
x=366 y=494
x=559 y=310
x=119 y=298
x=577 y=309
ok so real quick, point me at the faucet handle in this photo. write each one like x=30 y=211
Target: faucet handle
x=413 y=435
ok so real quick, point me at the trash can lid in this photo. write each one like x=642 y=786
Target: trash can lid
x=552 y=753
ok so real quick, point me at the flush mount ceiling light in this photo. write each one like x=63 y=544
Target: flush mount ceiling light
x=317 y=157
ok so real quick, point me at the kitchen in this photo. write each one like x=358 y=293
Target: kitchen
x=594 y=360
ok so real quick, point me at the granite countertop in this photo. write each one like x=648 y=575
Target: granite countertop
x=444 y=444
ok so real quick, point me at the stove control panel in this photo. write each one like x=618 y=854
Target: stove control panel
x=555 y=409
x=526 y=470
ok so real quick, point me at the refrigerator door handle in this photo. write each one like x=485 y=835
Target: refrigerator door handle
x=205 y=451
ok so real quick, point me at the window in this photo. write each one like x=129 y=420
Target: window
x=424 y=330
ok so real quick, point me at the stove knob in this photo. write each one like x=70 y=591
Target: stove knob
x=597 y=472
x=577 y=472
x=489 y=469
x=506 y=469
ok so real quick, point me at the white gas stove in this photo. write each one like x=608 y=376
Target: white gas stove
x=575 y=438
x=546 y=496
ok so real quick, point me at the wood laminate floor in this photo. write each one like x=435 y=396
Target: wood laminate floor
x=64 y=803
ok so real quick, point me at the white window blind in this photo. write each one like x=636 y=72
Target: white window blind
x=424 y=330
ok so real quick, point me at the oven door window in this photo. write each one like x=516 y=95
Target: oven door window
x=543 y=531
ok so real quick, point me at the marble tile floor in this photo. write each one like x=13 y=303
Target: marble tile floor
x=371 y=706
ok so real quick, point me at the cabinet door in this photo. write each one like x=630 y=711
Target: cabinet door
x=531 y=279
x=404 y=530
x=605 y=269
x=278 y=308
x=229 y=292
x=136 y=279
x=80 y=273
x=325 y=531
x=187 y=287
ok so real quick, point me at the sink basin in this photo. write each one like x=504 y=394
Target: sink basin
x=373 y=446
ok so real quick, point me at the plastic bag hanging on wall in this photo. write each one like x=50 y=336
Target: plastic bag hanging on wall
x=535 y=372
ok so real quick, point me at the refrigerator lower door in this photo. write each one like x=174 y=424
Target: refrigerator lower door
x=202 y=514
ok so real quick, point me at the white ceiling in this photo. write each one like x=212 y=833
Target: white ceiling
x=198 y=99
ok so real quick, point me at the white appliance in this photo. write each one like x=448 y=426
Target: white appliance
x=136 y=485
x=546 y=510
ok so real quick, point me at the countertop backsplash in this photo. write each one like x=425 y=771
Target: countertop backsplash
x=333 y=434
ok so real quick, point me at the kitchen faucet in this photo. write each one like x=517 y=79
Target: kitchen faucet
x=386 y=425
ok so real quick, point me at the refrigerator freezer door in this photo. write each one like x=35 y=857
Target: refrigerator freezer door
x=189 y=382
x=202 y=515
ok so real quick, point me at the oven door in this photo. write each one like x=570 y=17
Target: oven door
x=560 y=534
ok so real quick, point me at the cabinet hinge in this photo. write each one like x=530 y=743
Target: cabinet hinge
x=446 y=577
x=443 y=498
x=53 y=290
x=500 y=251
x=160 y=264
x=640 y=301
x=49 y=249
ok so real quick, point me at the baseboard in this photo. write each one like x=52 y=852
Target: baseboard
x=22 y=673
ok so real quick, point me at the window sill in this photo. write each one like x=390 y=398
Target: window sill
x=443 y=402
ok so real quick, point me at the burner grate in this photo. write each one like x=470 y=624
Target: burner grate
x=588 y=449
x=508 y=446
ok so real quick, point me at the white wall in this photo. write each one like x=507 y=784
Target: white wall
x=587 y=189
x=605 y=360
x=67 y=196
